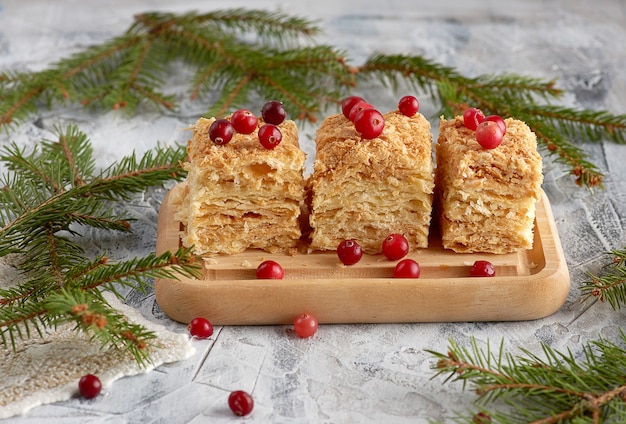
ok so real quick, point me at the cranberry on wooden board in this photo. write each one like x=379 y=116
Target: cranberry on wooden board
x=482 y=269
x=407 y=268
x=349 y=252
x=395 y=246
x=270 y=270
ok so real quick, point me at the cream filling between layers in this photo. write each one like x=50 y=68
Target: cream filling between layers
x=369 y=212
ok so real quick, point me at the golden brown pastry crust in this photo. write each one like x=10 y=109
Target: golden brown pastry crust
x=485 y=198
x=368 y=189
x=241 y=195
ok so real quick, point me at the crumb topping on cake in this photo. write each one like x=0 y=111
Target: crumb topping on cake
x=241 y=195
x=486 y=197
x=366 y=189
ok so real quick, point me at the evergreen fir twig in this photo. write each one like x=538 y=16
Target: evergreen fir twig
x=610 y=286
x=130 y=70
x=525 y=98
x=528 y=389
x=240 y=55
x=51 y=193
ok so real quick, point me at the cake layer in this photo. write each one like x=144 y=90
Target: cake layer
x=241 y=195
x=244 y=154
x=489 y=236
x=405 y=145
x=486 y=197
x=368 y=189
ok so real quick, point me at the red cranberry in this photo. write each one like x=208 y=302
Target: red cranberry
x=369 y=123
x=305 y=325
x=472 y=117
x=241 y=403
x=482 y=269
x=489 y=134
x=200 y=328
x=270 y=270
x=349 y=252
x=408 y=105
x=221 y=131
x=273 y=112
x=497 y=119
x=244 y=121
x=360 y=106
x=407 y=268
x=89 y=386
x=348 y=103
x=270 y=136
x=395 y=247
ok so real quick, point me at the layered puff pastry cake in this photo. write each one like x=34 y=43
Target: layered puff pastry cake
x=367 y=189
x=241 y=195
x=485 y=198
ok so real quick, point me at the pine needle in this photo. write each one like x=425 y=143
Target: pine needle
x=49 y=194
x=238 y=56
x=527 y=388
x=610 y=286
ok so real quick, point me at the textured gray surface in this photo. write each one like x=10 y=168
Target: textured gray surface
x=349 y=373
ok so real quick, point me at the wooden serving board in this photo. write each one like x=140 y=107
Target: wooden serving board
x=528 y=285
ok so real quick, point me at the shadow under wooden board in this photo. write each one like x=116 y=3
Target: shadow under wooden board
x=528 y=284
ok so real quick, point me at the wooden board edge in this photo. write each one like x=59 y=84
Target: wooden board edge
x=363 y=301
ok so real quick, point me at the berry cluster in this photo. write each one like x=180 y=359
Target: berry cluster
x=490 y=129
x=243 y=121
x=368 y=121
x=394 y=247
x=305 y=325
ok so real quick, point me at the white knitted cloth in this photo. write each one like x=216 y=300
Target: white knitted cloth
x=46 y=369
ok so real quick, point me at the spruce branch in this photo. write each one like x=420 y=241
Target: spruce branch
x=240 y=55
x=50 y=194
x=133 y=272
x=525 y=98
x=91 y=313
x=130 y=70
x=610 y=286
x=269 y=26
x=586 y=173
x=555 y=388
